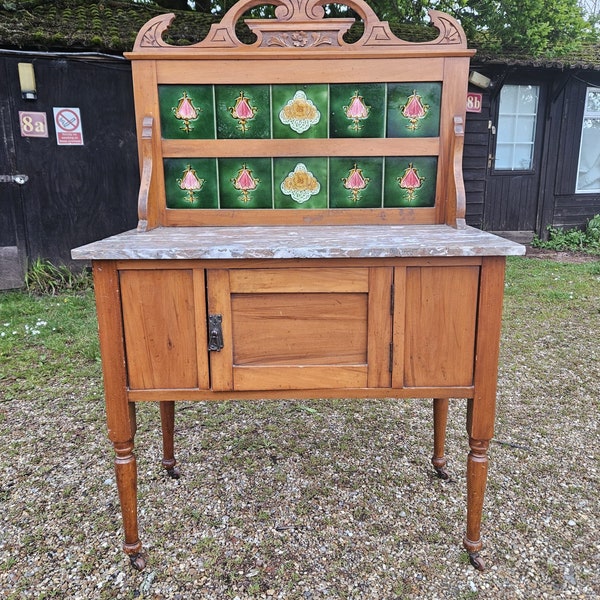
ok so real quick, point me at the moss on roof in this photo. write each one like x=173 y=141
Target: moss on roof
x=111 y=26
x=74 y=25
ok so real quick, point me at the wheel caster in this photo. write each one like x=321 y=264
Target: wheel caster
x=138 y=562
x=476 y=561
x=442 y=473
x=174 y=473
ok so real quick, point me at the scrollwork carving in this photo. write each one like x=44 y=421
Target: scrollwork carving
x=302 y=25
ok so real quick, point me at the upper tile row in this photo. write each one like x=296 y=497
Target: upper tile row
x=364 y=110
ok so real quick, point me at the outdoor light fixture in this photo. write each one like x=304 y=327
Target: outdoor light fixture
x=480 y=80
x=27 y=81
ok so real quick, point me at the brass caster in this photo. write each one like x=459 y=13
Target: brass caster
x=476 y=561
x=138 y=562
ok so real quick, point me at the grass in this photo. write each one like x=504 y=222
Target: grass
x=50 y=337
x=332 y=496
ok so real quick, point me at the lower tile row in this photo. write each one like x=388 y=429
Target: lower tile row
x=300 y=183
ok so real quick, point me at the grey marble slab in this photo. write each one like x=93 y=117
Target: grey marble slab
x=278 y=242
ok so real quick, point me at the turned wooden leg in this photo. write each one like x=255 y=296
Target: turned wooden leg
x=477 y=466
x=440 y=418
x=120 y=413
x=126 y=473
x=167 y=418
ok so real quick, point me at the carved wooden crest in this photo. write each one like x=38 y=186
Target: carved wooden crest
x=301 y=24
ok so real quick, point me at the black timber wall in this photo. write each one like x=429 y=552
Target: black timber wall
x=75 y=194
x=80 y=194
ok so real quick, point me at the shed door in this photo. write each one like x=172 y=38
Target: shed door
x=12 y=236
x=516 y=139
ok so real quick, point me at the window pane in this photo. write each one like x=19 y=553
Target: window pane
x=504 y=155
x=592 y=104
x=588 y=171
x=506 y=128
x=528 y=99
x=509 y=99
x=522 y=157
x=516 y=127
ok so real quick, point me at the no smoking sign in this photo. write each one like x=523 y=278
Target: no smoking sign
x=67 y=122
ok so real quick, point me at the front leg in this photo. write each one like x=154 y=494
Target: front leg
x=167 y=418
x=126 y=474
x=477 y=466
x=440 y=419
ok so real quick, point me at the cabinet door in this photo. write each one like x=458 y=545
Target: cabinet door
x=301 y=328
x=434 y=326
x=164 y=319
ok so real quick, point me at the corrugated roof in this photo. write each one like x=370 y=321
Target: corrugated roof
x=111 y=26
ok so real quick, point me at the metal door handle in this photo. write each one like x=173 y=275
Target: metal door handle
x=19 y=179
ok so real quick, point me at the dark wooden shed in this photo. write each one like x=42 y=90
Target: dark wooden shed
x=79 y=193
x=532 y=155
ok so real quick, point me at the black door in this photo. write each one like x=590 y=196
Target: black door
x=12 y=234
x=75 y=193
x=515 y=156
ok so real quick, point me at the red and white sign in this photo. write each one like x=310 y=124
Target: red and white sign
x=68 y=127
x=474 y=101
x=33 y=124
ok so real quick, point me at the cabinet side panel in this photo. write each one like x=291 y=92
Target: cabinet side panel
x=159 y=323
x=441 y=312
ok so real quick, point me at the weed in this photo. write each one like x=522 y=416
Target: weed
x=574 y=240
x=44 y=278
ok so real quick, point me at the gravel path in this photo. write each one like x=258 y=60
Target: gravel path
x=315 y=500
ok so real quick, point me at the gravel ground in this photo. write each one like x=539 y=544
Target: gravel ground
x=320 y=499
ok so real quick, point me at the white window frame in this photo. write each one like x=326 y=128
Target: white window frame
x=588 y=163
x=511 y=142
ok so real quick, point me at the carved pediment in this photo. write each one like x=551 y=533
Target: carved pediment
x=301 y=24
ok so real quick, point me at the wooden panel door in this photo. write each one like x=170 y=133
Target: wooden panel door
x=301 y=328
x=435 y=325
x=164 y=317
x=516 y=142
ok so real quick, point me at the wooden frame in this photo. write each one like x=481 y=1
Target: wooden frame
x=210 y=304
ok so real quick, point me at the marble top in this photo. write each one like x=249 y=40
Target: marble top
x=280 y=242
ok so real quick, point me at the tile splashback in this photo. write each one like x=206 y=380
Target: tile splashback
x=363 y=110
x=301 y=182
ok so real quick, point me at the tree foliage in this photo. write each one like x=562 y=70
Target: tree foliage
x=549 y=28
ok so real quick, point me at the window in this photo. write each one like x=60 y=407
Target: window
x=588 y=169
x=517 y=118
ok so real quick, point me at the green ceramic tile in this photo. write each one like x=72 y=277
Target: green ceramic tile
x=410 y=181
x=413 y=109
x=357 y=110
x=243 y=111
x=355 y=182
x=245 y=183
x=300 y=111
x=300 y=182
x=191 y=183
x=187 y=112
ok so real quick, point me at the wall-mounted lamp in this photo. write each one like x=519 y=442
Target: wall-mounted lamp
x=27 y=81
x=481 y=81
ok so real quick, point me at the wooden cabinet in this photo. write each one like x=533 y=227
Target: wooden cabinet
x=401 y=324
x=301 y=232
